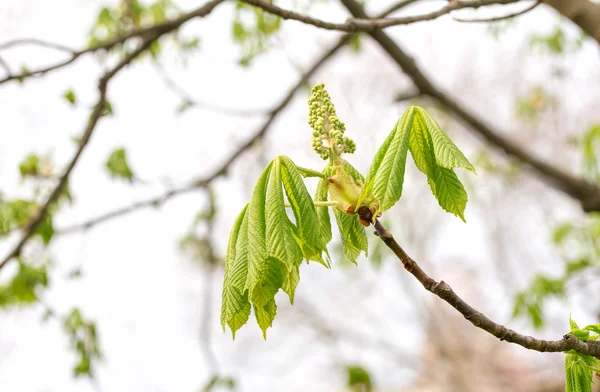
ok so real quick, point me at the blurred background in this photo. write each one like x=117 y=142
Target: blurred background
x=119 y=286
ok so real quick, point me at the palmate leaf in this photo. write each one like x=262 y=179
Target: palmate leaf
x=434 y=154
x=235 y=307
x=266 y=248
x=386 y=174
x=305 y=213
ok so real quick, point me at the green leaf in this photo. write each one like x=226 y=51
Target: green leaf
x=354 y=238
x=359 y=379
x=235 y=307
x=30 y=166
x=434 y=154
x=578 y=374
x=69 y=96
x=449 y=191
x=594 y=328
x=323 y=212
x=281 y=243
x=572 y=324
x=117 y=165
x=257 y=228
x=305 y=213
x=446 y=153
x=265 y=316
x=386 y=174
x=444 y=183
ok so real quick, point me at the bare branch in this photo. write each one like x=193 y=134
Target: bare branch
x=5 y=66
x=396 y=7
x=499 y=18
x=193 y=102
x=370 y=25
x=203 y=182
x=144 y=34
x=586 y=193
x=584 y=13
x=478 y=319
x=35 y=222
x=37 y=42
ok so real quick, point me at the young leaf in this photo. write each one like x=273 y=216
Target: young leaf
x=446 y=153
x=257 y=244
x=304 y=210
x=572 y=324
x=235 y=307
x=263 y=294
x=323 y=212
x=444 y=183
x=280 y=241
x=386 y=174
x=354 y=238
x=579 y=375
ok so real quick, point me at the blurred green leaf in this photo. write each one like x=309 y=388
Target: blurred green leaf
x=83 y=338
x=69 y=96
x=359 y=379
x=22 y=288
x=117 y=165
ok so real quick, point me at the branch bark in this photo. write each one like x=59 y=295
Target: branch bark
x=583 y=13
x=586 y=193
x=35 y=222
x=363 y=23
x=478 y=319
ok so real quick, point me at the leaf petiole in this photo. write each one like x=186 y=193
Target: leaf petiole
x=318 y=204
x=309 y=172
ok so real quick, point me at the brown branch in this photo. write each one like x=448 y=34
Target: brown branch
x=369 y=25
x=499 y=18
x=586 y=193
x=203 y=182
x=396 y=7
x=583 y=13
x=146 y=33
x=478 y=319
x=36 y=220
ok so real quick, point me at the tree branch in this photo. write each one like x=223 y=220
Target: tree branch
x=586 y=193
x=222 y=169
x=583 y=13
x=35 y=222
x=157 y=30
x=369 y=25
x=37 y=42
x=499 y=18
x=478 y=319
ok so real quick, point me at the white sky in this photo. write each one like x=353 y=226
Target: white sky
x=145 y=296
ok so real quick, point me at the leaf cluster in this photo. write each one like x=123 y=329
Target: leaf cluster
x=581 y=367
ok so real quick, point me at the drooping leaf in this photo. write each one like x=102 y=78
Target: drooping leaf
x=257 y=231
x=235 y=307
x=354 y=238
x=323 y=212
x=280 y=241
x=578 y=374
x=304 y=211
x=449 y=191
x=265 y=316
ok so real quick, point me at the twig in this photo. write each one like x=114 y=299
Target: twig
x=144 y=34
x=5 y=66
x=34 y=223
x=396 y=7
x=585 y=192
x=192 y=102
x=478 y=319
x=370 y=25
x=37 y=42
x=222 y=169
x=499 y=18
